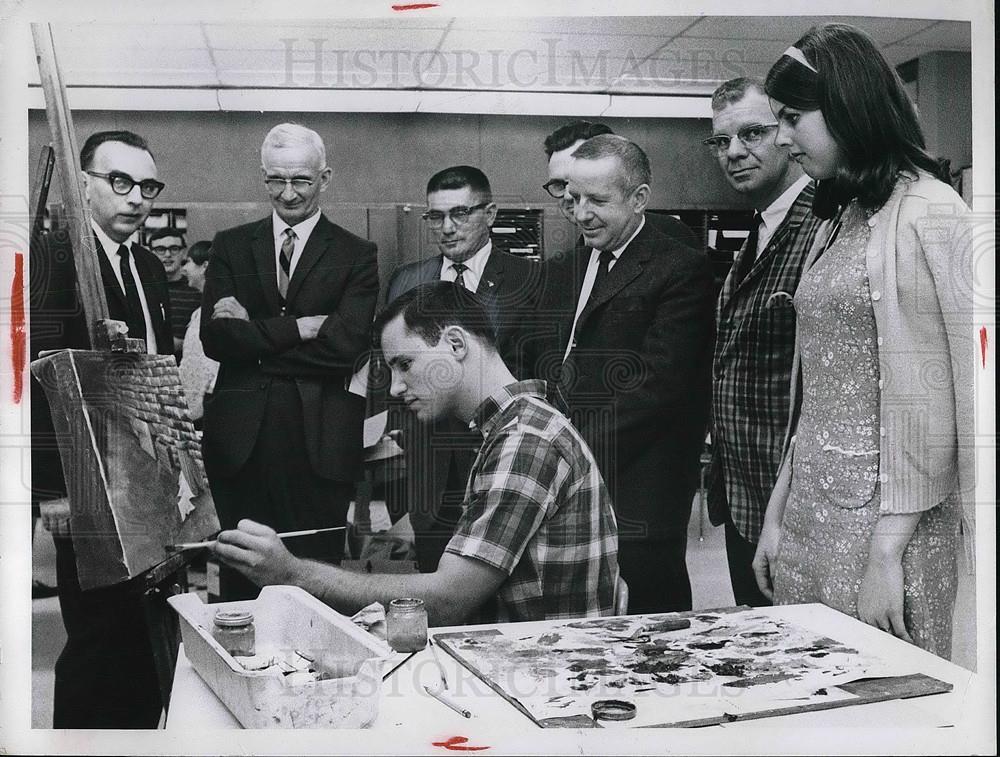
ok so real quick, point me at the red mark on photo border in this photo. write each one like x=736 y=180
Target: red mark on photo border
x=17 y=342
x=456 y=744
x=983 y=343
x=414 y=7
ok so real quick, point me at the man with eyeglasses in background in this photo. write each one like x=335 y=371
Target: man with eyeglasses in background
x=105 y=676
x=755 y=335
x=169 y=246
x=288 y=308
x=460 y=213
x=559 y=147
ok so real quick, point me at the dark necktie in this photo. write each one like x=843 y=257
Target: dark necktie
x=460 y=269
x=135 y=319
x=748 y=257
x=603 y=265
x=285 y=260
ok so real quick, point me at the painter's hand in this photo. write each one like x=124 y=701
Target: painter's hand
x=880 y=600
x=56 y=516
x=764 y=560
x=256 y=551
x=230 y=307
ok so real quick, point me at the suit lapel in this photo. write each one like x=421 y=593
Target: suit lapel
x=262 y=249
x=316 y=247
x=626 y=270
x=491 y=282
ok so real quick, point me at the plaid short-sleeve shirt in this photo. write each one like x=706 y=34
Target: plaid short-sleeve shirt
x=537 y=508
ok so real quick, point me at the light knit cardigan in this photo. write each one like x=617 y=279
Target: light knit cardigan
x=920 y=270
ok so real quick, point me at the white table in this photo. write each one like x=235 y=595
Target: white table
x=406 y=710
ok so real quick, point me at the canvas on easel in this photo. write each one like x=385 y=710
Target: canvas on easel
x=131 y=459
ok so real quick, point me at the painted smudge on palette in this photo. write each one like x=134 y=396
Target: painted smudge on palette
x=674 y=671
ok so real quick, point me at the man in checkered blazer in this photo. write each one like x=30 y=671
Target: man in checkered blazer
x=756 y=322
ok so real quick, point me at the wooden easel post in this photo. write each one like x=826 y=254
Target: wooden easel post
x=88 y=272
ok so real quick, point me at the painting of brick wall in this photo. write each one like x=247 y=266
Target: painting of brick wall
x=131 y=458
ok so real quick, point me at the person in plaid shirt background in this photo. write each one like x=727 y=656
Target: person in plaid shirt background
x=755 y=335
x=537 y=538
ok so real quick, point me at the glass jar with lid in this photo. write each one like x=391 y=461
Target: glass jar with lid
x=234 y=630
x=406 y=624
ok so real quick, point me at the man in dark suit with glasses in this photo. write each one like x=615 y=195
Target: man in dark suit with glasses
x=288 y=307
x=104 y=677
x=460 y=213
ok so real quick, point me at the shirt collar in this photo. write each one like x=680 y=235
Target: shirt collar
x=488 y=413
x=775 y=213
x=302 y=229
x=617 y=253
x=109 y=245
x=477 y=263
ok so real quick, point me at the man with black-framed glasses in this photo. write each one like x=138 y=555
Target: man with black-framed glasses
x=105 y=676
x=755 y=334
x=459 y=216
x=287 y=312
x=169 y=246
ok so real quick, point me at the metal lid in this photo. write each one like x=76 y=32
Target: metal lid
x=612 y=709
x=233 y=618
x=406 y=604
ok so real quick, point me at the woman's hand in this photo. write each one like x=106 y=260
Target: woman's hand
x=765 y=558
x=880 y=601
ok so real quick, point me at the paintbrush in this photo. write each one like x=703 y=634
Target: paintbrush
x=437 y=661
x=447 y=702
x=285 y=535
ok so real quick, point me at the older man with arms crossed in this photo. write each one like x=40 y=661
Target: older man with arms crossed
x=287 y=312
x=755 y=321
x=629 y=341
x=537 y=534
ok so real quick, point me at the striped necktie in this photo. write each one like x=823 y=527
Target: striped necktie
x=285 y=260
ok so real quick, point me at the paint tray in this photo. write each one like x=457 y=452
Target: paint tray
x=288 y=619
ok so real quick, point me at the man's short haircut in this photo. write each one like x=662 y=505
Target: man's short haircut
x=633 y=161
x=168 y=231
x=430 y=308
x=293 y=135
x=571 y=133
x=734 y=90
x=200 y=252
x=458 y=177
x=97 y=139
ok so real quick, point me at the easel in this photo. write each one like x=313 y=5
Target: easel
x=169 y=576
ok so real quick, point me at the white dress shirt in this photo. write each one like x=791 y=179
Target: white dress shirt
x=110 y=248
x=772 y=216
x=590 y=277
x=302 y=231
x=474 y=268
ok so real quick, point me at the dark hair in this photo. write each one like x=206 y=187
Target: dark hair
x=431 y=307
x=458 y=177
x=99 y=138
x=634 y=163
x=571 y=133
x=734 y=90
x=200 y=252
x=865 y=107
x=168 y=231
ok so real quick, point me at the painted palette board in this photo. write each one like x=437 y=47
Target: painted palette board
x=715 y=667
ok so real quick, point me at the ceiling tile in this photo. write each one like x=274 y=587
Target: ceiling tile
x=943 y=35
x=153 y=36
x=787 y=29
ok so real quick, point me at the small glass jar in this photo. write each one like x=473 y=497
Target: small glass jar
x=406 y=625
x=235 y=632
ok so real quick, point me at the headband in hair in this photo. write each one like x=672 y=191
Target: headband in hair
x=795 y=54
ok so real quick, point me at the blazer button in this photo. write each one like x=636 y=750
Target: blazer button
x=876 y=295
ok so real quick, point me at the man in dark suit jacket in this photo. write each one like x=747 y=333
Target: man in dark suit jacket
x=288 y=307
x=104 y=677
x=628 y=353
x=559 y=147
x=439 y=455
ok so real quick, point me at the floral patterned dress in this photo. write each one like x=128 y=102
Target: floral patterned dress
x=833 y=504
